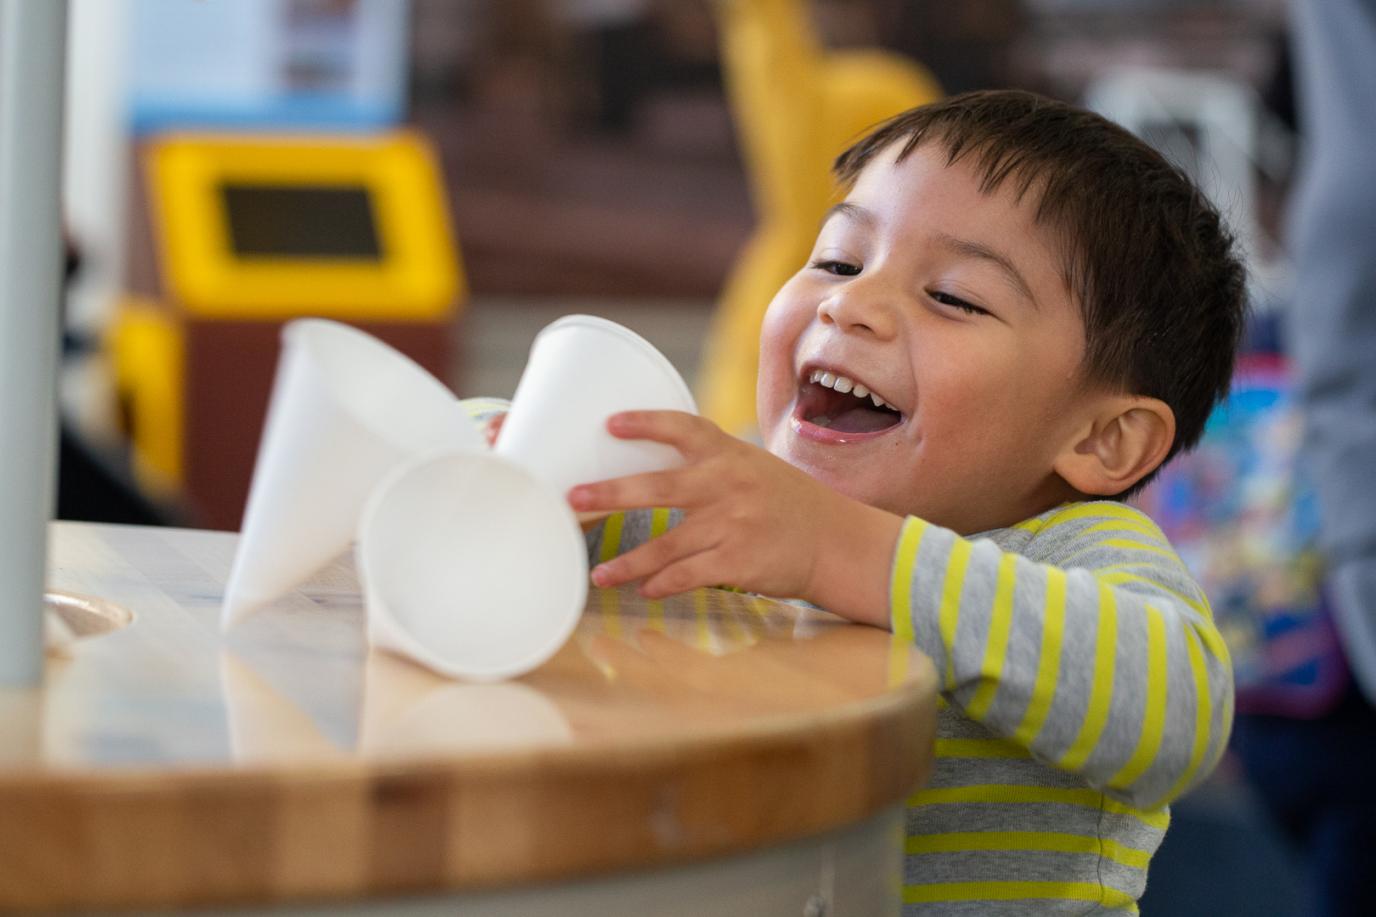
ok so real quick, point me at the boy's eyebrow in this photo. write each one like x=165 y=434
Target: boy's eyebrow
x=972 y=249
x=853 y=211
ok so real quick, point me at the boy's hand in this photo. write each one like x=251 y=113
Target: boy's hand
x=751 y=520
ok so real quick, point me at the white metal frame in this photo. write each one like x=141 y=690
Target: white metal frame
x=32 y=66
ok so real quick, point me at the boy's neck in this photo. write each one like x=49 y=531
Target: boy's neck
x=1053 y=492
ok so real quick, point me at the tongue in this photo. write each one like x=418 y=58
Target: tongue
x=863 y=420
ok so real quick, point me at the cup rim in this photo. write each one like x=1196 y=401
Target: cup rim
x=655 y=355
x=391 y=632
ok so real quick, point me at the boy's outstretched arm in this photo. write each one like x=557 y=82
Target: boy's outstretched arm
x=751 y=520
x=1103 y=661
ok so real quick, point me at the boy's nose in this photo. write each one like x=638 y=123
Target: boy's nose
x=860 y=308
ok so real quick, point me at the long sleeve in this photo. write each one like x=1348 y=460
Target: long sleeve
x=1333 y=331
x=1090 y=646
x=622 y=532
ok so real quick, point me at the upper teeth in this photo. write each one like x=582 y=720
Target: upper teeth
x=842 y=384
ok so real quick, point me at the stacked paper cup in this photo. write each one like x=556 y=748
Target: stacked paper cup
x=473 y=563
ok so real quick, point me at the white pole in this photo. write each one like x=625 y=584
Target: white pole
x=32 y=51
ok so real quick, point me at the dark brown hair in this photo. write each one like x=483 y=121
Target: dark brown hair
x=1154 y=268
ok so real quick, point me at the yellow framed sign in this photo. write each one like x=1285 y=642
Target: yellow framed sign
x=269 y=227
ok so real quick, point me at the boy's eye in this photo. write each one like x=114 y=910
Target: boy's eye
x=839 y=268
x=946 y=299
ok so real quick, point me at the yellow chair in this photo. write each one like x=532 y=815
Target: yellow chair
x=144 y=346
x=796 y=106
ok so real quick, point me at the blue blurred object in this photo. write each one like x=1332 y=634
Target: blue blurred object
x=268 y=64
x=1243 y=514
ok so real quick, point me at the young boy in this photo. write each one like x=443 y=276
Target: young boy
x=1016 y=315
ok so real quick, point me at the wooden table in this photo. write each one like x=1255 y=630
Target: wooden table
x=713 y=753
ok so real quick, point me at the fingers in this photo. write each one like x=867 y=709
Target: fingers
x=655 y=555
x=692 y=572
x=691 y=435
x=656 y=488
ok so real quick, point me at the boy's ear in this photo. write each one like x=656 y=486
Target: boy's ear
x=1126 y=440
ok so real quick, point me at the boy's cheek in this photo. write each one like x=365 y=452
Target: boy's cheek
x=771 y=387
x=780 y=334
x=786 y=316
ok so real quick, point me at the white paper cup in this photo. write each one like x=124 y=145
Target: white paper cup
x=345 y=409
x=471 y=566
x=581 y=371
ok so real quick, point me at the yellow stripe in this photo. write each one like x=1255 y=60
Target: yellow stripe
x=704 y=626
x=609 y=601
x=1048 y=665
x=901 y=585
x=1100 y=689
x=1128 y=544
x=1213 y=642
x=1203 y=712
x=659 y=522
x=1045 y=841
x=611 y=537
x=980 y=748
x=996 y=650
x=1122 y=853
x=1154 y=710
x=1136 y=527
x=1033 y=525
x=1119 y=578
x=1099 y=510
x=1127 y=565
x=1125 y=544
x=949 y=614
x=1014 y=891
x=1000 y=793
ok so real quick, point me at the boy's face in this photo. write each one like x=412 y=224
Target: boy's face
x=951 y=306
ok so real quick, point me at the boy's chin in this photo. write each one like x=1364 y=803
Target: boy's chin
x=842 y=479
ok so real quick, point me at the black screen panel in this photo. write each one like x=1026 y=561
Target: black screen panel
x=301 y=221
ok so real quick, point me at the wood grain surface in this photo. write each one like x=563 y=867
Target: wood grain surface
x=164 y=763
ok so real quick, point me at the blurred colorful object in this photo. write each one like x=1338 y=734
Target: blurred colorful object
x=1245 y=520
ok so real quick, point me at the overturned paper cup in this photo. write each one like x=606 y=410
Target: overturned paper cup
x=345 y=409
x=581 y=371
x=471 y=566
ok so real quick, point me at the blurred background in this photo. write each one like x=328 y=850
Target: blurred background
x=454 y=174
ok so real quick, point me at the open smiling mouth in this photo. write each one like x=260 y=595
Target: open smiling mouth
x=841 y=405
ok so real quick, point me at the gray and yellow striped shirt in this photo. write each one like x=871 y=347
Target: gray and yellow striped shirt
x=1084 y=687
